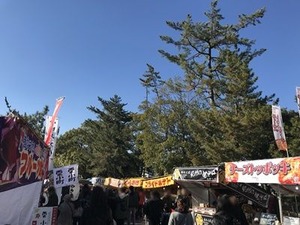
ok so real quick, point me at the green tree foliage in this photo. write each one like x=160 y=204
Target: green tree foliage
x=112 y=140
x=35 y=120
x=213 y=112
x=71 y=148
x=292 y=131
x=104 y=146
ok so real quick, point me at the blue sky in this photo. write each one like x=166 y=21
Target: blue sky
x=84 y=49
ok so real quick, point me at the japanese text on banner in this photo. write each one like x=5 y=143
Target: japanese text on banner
x=65 y=176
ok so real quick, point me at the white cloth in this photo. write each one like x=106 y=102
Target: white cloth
x=17 y=205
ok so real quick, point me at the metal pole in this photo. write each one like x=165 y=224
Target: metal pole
x=280 y=205
x=296 y=205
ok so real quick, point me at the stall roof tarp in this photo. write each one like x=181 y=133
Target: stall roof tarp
x=207 y=173
x=286 y=189
x=251 y=192
x=284 y=171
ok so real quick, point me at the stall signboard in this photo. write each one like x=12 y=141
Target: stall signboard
x=134 y=182
x=23 y=156
x=65 y=176
x=107 y=181
x=158 y=182
x=44 y=216
x=271 y=171
x=116 y=183
x=291 y=220
x=197 y=174
x=268 y=219
x=23 y=167
x=254 y=194
x=202 y=219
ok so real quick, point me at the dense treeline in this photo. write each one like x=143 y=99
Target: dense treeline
x=211 y=113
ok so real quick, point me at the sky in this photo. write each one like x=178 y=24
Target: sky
x=85 y=49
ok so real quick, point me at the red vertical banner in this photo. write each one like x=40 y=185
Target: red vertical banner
x=58 y=105
x=278 y=128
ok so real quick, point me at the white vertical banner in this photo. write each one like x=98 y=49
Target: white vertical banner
x=298 y=98
x=278 y=128
x=54 y=135
x=65 y=176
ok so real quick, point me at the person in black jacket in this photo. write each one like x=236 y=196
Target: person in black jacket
x=154 y=208
x=133 y=205
x=237 y=210
x=168 y=205
x=224 y=215
x=52 y=197
x=98 y=212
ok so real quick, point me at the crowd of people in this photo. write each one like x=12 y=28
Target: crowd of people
x=99 y=206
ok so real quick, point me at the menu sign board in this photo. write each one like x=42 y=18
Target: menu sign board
x=202 y=219
x=268 y=219
x=198 y=174
x=45 y=216
x=291 y=220
x=249 y=191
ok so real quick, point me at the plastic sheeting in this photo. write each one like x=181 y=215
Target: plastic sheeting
x=17 y=205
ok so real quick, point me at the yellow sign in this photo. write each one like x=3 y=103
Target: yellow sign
x=158 y=183
x=199 y=219
x=134 y=182
x=107 y=181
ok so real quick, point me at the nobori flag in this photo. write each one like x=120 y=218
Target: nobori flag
x=278 y=129
x=298 y=98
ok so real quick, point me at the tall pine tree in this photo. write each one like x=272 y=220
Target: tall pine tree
x=111 y=140
x=220 y=115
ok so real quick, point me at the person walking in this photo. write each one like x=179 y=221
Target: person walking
x=133 y=205
x=142 y=200
x=122 y=207
x=154 y=208
x=182 y=215
x=168 y=205
x=65 y=211
x=98 y=211
x=184 y=193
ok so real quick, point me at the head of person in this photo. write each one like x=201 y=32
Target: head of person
x=224 y=203
x=167 y=193
x=154 y=195
x=85 y=189
x=233 y=200
x=131 y=189
x=67 y=197
x=184 y=192
x=182 y=205
x=98 y=196
x=122 y=190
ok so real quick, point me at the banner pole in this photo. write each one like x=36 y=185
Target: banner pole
x=280 y=204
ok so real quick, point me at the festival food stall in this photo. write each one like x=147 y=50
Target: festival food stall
x=201 y=182
x=206 y=183
x=281 y=173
